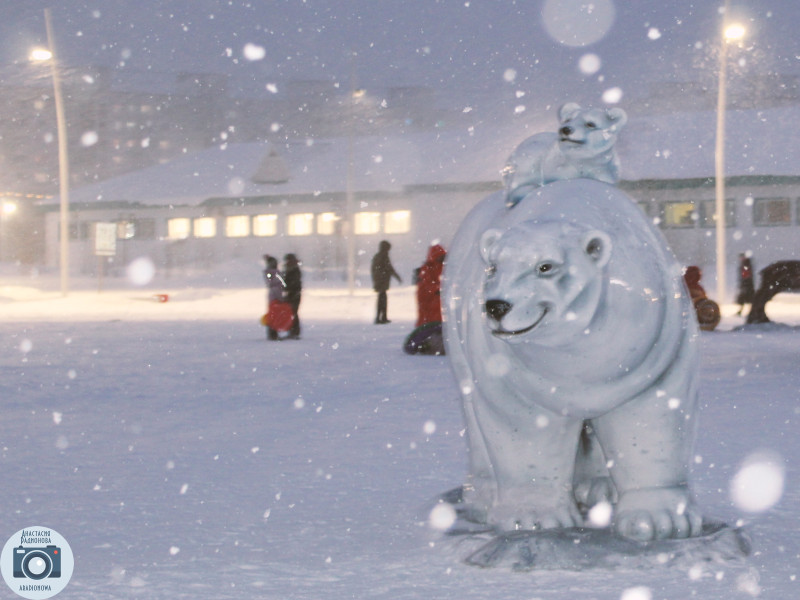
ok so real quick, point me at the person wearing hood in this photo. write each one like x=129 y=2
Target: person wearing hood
x=692 y=277
x=293 y=282
x=382 y=273
x=429 y=275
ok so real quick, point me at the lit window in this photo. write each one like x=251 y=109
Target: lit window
x=367 y=223
x=238 y=226
x=204 y=227
x=265 y=225
x=679 y=214
x=300 y=224
x=772 y=211
x=398 y=221
x=326 y=223
x=178 y=229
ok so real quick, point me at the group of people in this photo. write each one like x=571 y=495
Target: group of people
x=283 y=286
x=708 y=311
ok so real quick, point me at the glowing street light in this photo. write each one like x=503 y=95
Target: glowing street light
x=731 y=32
x=38 y=54
x=48 y=54
x=734 y=32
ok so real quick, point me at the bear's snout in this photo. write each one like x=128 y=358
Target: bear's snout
x=566 y=131
x=497 y=309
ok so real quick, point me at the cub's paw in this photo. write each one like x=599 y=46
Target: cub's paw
x=657 y=514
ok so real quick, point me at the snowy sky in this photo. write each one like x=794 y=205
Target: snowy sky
x=450 y=44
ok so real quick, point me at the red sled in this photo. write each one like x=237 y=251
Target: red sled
x=279 y=316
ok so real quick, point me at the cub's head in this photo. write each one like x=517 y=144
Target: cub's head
x=543 y=282
x=585 y=133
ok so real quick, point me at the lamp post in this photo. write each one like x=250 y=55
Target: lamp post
x=7 y=208
x=41 y=54
x=730 y=32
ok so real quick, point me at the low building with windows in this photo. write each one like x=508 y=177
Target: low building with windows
x=245 y=200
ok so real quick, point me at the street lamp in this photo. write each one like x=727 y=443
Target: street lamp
x=731 y=32
x=42 y=54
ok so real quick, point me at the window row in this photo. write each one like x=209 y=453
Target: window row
x=264 y=225
x=766 y=212
x=296 y=224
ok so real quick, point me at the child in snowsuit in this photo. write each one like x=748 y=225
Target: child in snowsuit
x=275 y=285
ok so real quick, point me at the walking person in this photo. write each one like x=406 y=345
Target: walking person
x=275 y=285
x=293 y=281
x=746 y=286
x=382 y=273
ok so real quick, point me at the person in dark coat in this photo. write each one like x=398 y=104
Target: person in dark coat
x=747 y=289
x=274 y=282
x=293 y=282
x=382 y=273
x=429 y=284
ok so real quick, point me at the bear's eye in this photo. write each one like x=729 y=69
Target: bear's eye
x=546 y=268
x=491 y=270
x=591 y=125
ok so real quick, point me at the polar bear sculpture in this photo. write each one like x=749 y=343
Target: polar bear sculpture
x=582 y=148
x=567 y=314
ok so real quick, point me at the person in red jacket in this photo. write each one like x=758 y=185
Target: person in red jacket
x=429 y=275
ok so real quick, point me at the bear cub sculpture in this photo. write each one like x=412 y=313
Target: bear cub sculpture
x=582 y=148
x=573 y=342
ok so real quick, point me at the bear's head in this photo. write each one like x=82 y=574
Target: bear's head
x=586 y=133
x=544 y=282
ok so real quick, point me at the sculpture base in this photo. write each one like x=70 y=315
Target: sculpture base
x=579 y=549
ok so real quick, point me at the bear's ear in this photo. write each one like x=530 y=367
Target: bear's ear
x=597 y=246
x=568 y=110
x=617 y=116
x=488 y=239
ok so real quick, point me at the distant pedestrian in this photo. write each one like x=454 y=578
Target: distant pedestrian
x=382 y=273
x=293 y=281
x=429 y=286
x=747 y=289
x=275 y=285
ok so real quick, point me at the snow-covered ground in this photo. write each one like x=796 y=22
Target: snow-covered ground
x=183 y=456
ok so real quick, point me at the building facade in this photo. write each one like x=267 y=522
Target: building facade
x=762 y=220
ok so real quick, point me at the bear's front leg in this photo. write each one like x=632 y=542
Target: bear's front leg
x=648 y=442
x=657 y=514
x=532 y=453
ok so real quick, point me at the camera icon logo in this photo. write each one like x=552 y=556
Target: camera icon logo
x=37 y=563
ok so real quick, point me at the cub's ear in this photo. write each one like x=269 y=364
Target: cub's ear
x=617 y=116
x=488 y=239
x=597 y=246
x=568 y=110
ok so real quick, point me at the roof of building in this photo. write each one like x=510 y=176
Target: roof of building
x=669 y=146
